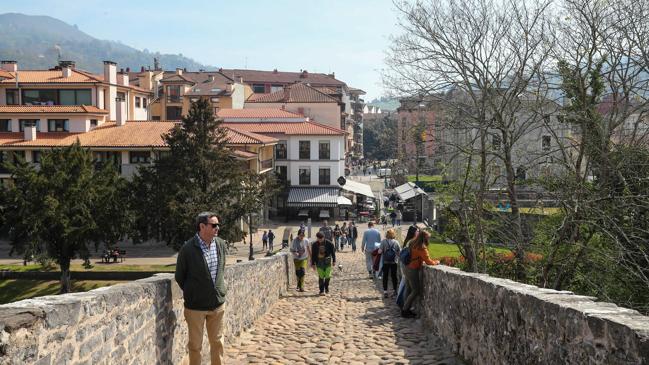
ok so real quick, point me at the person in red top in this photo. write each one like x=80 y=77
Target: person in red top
x=418 y=256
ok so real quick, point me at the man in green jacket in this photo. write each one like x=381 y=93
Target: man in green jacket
x=199 y=273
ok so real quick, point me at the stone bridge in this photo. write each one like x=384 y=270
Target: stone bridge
x=466 y=318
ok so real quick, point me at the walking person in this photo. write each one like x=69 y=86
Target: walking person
x=389 y=250
x=323 y=258
x=370 y=238
x=327 y=231
x=393 y=218
x=271 y=237
x=418 y=256
x=343 y=237
x=353 y=235
x=399 y=217
x=264 y=240
x=301 y=252
x=337 y=234
x=200 y=267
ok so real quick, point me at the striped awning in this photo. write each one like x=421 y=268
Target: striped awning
x=313 y=197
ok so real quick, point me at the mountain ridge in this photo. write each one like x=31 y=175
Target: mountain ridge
x=40 y=41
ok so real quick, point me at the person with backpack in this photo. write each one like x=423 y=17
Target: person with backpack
x=413 y=258
x=264 y=240
x=271 y=237
x=323 y=259
x=390 y=252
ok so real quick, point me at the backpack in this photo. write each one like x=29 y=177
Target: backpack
x=390 y=254
x=404 y=256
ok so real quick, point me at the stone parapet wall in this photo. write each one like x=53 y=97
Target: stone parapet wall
x=489 y=320
x=134 y=323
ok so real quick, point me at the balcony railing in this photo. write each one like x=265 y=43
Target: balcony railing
x=173 y=98
x=267 y=164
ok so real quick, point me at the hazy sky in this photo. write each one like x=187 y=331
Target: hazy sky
x=346 y=37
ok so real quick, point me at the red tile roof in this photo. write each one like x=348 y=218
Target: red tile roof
x=84 y=109
x=281 y=77
x=287 y=128
x=295 y=93
x=52 y=76
x=241 y=136
x=6 y=74
x=261 y=113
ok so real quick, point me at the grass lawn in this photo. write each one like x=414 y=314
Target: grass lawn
x=437 y=250
x=14 y=290
x=95 y=267
x=425 y=178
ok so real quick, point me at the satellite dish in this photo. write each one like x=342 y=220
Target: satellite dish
x=341 y=181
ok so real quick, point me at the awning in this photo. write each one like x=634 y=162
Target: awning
x=358 y=188
x=342 y=201
x=312 y=197
x=408 y=191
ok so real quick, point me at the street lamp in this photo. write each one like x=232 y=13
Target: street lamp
x=251 y=253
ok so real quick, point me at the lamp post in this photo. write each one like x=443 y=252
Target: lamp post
x=251 y=253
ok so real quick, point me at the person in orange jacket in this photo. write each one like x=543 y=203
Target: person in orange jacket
x=418 y=256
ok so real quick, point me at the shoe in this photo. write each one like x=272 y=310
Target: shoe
x=301 y=290
x=394 y=294
x=321 y=294
x=407 y=314
x=385 y=294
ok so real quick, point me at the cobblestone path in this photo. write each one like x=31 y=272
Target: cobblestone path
x=353 y=324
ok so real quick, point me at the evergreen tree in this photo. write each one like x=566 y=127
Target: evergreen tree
x=198 y=174
x=60 y=208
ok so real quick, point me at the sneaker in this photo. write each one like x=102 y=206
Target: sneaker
x=301 y=290
x=322 y=294
x=407 y=314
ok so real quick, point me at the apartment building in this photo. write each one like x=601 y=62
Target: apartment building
x=309 y=158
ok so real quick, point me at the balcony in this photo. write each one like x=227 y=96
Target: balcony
x=174 y=99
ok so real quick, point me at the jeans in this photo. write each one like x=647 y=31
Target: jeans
x=369 y=261
x=413 y=286
x=387 y=270
x=352 y=241
x=270 y=245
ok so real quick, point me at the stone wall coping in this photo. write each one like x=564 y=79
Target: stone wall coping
x=587 y=305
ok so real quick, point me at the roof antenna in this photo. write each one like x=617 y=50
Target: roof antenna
x=245 y=63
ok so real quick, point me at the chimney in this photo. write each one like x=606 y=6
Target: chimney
x=128 y=69
x=332 y=75
x=30 y=132
x=228 y=87
x=179 y=71
x=11 y=66
x=275 y=71
x=122 y=78
x=110 y=72
x=121 y=112
x=67 y=71
x=220 y=69
x=142 y=69
x=304 y=74
x=210 y=78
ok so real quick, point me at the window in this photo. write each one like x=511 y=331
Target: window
x=56 y=97
x=29 y=122
x=58 y=125
x=305 y=150
x=5 y=125
x=324 y=178
x=305 y=176
x=173 y=94
x=258 y=88
x=139 y=156
x=174 y=112
x=93 y=123
x=282 y=173
x=75 y=97
x=545 y=143
x=495 y=143
x=36 y=156
x=520 y=173
x=280 y=151
x=138 y=102
x=274 y=88
x=12 y=97
x=144 y=101
x=324 y=150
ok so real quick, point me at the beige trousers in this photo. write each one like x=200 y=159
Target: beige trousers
x=196 y=322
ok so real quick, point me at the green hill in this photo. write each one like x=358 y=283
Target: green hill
x=36 y=42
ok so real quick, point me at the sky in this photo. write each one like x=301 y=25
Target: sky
x=348 y=37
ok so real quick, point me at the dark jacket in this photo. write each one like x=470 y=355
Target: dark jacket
x=330 y=251
x=193 y=276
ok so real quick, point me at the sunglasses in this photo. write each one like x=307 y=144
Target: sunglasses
x=214 y=225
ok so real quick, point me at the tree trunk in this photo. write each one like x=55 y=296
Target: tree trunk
x=515 y=220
